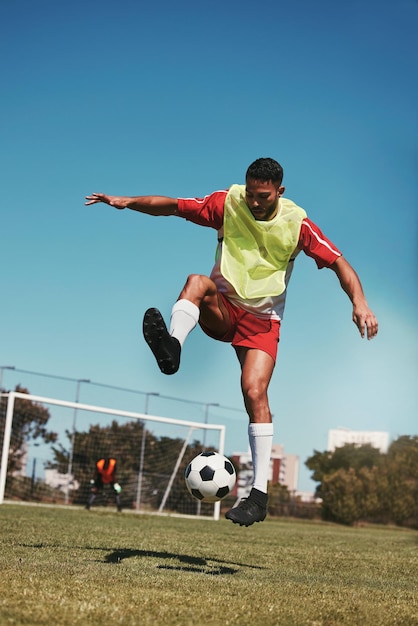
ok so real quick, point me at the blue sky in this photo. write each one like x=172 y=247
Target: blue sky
x=177 y=99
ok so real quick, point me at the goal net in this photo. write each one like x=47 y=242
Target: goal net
x=50 y=448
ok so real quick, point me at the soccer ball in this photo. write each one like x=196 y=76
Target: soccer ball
x=210 y=476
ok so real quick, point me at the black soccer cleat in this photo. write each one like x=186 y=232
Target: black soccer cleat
x=165 y=348
x=249 y=510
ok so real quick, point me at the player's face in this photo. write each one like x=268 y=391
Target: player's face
x=262 y=198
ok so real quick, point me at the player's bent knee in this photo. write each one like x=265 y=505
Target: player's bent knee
x=198 y=284
x=254 y=394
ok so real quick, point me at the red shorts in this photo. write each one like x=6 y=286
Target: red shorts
x=249 y=331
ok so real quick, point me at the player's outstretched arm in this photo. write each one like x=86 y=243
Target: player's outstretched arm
x=363 y=317
x=151 y=205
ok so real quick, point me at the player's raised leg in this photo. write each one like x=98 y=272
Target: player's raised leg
x=198 y=298
x=165 y=348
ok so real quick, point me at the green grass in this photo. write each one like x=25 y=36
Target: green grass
x=70 y=566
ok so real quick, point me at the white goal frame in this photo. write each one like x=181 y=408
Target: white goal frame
x=145 y=417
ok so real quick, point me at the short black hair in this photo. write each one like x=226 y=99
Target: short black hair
x=265 y=169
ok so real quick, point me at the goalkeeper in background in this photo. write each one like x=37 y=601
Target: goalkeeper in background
x=105 y=475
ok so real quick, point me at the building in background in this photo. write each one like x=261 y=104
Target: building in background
x=63 y=482
x=284 y=469
x=339 y=437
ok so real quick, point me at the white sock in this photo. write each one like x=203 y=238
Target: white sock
x=261 y=440
x=184 y=317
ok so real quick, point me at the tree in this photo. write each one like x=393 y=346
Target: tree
x=361 y=483
x=279 y=499
x=372 y=488
x=29 y=422
x=401 y=474
x=346 y=457
x=341 y=497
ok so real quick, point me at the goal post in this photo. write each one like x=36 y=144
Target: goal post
x=152 y=452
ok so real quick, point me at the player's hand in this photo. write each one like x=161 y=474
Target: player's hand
x=115 y=201
x=365 y=321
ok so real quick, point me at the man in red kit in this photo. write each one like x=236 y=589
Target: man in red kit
x=260 y=234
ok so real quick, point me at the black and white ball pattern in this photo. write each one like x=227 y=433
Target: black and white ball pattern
x=210 y=476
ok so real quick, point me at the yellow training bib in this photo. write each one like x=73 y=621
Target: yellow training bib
x=255 y=254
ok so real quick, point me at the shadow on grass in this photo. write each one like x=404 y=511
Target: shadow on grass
x=181 y=562
x=186 y=563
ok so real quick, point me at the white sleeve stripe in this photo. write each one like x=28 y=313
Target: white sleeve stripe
x=320 y=240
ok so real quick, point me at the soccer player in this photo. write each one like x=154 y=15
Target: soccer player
x=105 y=475
x=260 y=233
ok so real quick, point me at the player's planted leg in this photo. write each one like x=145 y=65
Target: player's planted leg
x=165 y=348
x=257 y=368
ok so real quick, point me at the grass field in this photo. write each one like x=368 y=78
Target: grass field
x=70 y=566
